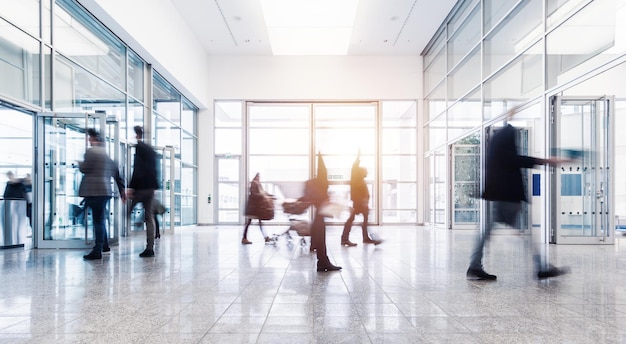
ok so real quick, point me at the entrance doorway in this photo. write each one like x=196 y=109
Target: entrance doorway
x=165 y=161
x=60 y=219
x=582 y=191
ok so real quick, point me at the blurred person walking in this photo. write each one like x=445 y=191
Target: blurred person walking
x=260 y=206
x=505 y=190
x=316 y=193
x=360 y=196
x=142 y=185
x=95 y=187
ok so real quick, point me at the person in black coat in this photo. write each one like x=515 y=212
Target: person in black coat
x=504 y=188
x=142 y=185
x=360 y=196
x=260 y=206
x=316 y=193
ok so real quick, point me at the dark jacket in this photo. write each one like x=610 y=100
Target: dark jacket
x=260 y=204
x=98 y=169
x=359 y=193
x=144 y=171
x=15 y=190
x=503 y=175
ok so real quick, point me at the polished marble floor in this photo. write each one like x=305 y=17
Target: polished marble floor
x=205 y=287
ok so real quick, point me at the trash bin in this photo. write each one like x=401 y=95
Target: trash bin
x=14 y=222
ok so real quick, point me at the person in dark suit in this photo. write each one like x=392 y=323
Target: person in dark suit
x=360 y=195
x=95 y=187
x=504 y=188
x=316 y=193
x=142 y=185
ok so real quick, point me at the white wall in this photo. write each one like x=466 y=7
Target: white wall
x=299 y=78
x=155 y=31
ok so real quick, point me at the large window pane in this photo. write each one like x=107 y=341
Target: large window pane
x=517 y=83
x=166 y=133
x=280 y=168
x=590 y=38
x=464 y=115
x=436 y=130
x=345 y=140
x=77 y=90
x=513 y=35
x=278 y=141
x=436 y=102
x=557 y=10
x=435 y=72
x=399 y=113
x=187 y=151
x=435 y=49
x=461 y=14
x=135 y=117
x=136 y=71
x=228 y=141
x=494 y=10
x=399 y=141
x=345 y=115
x=16 y=141
x=228 y=114
x=465 y=77
x=399 y=168
x=273 y=115
x=19 y=64
x=466 y=38
x=22 y=13
x=188 y=122
x=81 y=38
x=167 y=100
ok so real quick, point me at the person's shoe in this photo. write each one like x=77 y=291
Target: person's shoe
x=157 y=236
x=269 y=240
x=106 y=249
x=552 y=271
x=245 y=241
x=327 y=267
x=147 y=253
x=479 y=275
x=93 y=255
x=347 y=243
x=372 y=241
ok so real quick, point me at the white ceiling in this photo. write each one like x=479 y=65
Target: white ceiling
x=382 y=27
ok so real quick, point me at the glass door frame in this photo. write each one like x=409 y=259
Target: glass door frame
x=166 y=182
x=605 y=195
x=39 y=182
x=242 y=185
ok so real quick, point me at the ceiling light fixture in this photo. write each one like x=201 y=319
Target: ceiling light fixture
x=309 y=27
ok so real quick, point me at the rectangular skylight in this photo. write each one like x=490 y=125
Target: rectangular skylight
x=309 y=27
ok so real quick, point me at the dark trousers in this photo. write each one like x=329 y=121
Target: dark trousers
x=347 y=227
x=318 y=238
x=503 y=212
x=145 y=196
x=98 y=206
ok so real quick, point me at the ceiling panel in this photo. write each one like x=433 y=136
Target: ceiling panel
x=382 y=27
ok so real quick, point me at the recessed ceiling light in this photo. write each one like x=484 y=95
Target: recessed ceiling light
x=309 y=27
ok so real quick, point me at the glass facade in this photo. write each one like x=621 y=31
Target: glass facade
x=94 y=72
x=503 y=54
x=384 y=133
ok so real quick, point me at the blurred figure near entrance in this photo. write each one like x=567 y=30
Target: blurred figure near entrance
x=360 y=195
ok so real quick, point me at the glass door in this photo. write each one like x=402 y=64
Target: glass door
x=229 y=195
x=465 y=191
x=60 y=219
x=582 y=191
x=165 y=195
